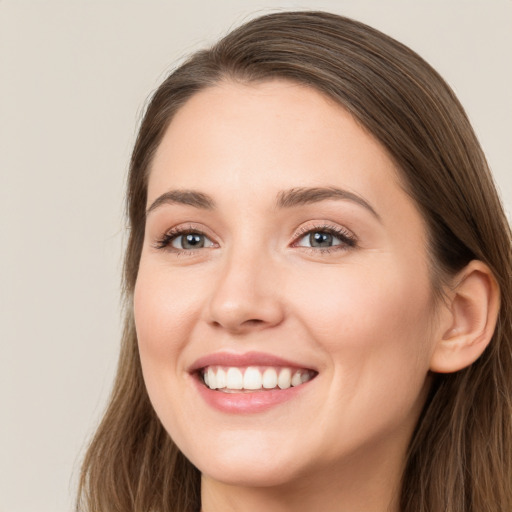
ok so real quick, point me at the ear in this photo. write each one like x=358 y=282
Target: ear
x=468 y=319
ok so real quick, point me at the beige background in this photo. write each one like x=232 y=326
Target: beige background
x=74 y=76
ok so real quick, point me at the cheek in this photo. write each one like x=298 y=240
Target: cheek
x=375 y=327
x=164 y=309
x=374 y=323
x=373 y=300
x=164 y=318
x=165 y=313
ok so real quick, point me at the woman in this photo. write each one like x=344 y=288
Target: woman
x=318 y=288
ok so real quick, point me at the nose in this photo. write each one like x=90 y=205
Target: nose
x=246 y=295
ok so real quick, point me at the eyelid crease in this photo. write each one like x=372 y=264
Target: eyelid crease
x=336 y=230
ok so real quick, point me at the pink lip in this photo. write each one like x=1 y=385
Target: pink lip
x=242 y=360
x=244 y=403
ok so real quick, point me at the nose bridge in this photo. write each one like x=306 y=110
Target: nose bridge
x=246 y=295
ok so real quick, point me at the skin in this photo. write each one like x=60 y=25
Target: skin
x=362 y=314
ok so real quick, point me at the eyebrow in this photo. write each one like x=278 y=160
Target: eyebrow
x=285 y=199
x=187 y=197
x=307 y=195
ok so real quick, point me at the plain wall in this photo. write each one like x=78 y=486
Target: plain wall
x=74 y=77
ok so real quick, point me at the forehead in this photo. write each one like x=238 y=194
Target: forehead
x=266 y=137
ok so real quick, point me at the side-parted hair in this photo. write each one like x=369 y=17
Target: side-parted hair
x=459 y=457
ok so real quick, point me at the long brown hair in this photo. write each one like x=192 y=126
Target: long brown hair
x=459 y=457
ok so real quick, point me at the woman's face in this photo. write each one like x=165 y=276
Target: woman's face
x=281 y=256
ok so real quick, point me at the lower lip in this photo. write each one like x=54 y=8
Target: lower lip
x=245 y=403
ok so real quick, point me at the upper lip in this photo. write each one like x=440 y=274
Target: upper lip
x=245 y=359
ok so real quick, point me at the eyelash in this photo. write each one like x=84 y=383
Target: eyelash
x=347 y=239
x=167 y=238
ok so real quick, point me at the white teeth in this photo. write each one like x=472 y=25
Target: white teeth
x=270 y=378
x=284 y=380
x=221 y=378
x=296 y=379
x=212 y=379
x=254 y=378
x=234 y=378
x=305 y=376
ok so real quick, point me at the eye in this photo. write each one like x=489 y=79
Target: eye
x=183 y=240
x=190 y=241
x=318 y=239
x=325 y=238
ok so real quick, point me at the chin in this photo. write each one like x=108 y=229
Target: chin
x=248 y=463
x=263 y=474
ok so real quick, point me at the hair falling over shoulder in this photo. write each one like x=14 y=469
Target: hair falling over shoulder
x=460 y=455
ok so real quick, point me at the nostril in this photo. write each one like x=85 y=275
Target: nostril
x=253 y=322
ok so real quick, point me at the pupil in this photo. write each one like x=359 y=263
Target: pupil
x=320 y=239
x=192 y=241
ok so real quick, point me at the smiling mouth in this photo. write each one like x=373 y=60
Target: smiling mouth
x=234 y=379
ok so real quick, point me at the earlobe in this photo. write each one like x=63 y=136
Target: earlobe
x=469 y=319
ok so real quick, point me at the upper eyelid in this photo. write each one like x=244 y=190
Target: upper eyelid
x=323 y=226
x=189 y=227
